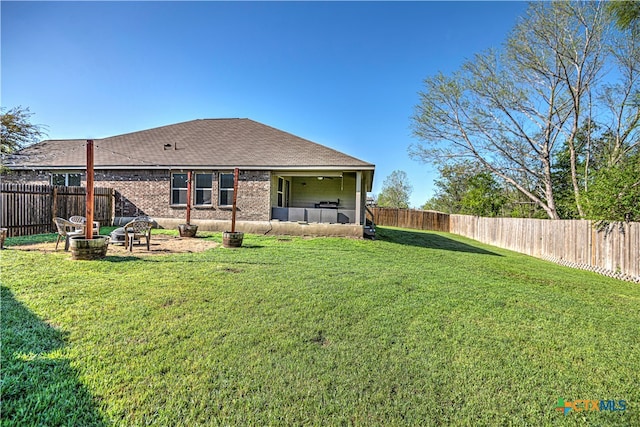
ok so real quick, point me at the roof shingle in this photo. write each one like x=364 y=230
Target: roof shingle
x=202 y=143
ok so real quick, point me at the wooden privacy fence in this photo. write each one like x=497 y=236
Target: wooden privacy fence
x=29 y=209
x=576 y=243
x=411 y=218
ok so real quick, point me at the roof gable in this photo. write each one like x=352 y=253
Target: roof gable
x=202 y=143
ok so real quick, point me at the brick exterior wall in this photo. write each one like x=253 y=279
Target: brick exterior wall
x=137 y=192
x=34 y=177
x=148 y=192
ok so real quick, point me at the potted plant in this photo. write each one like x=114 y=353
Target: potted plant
x=233 y=238
x=188 y=229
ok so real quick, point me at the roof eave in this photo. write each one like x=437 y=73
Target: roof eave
x=212 y=167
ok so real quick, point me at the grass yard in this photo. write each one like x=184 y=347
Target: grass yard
x=415 y=328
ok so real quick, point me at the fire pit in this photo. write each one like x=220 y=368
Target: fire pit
x=118 y=236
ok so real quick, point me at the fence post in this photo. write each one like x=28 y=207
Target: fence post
x=593 y=243
x=113 y=206
x=54 y=204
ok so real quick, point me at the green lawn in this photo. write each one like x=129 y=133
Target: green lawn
x=415 y=328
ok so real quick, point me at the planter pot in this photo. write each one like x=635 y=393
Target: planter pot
x=232 y=239
x=187 y=230
x=88 y=249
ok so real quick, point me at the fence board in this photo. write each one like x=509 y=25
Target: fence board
x=29 y=209
x=572 y=242
x=411 y=218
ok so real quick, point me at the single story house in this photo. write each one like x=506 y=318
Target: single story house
x=287 y=184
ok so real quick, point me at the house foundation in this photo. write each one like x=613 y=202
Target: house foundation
x=273 y=227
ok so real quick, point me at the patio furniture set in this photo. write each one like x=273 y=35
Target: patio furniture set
x=134 y=231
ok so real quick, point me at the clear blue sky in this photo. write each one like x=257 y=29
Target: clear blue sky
x=343 y=74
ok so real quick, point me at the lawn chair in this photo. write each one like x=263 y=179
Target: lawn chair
x=66 y=229
x=81 y=223
x=136 y=230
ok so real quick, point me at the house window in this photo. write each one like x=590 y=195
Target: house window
x=68 y=179
x=179 y=189
x=203 y=188
x=226 y=189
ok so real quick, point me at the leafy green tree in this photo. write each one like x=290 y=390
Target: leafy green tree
x=464 y=188
x=16 y=130
x=484 y=197
x=517 y=205
x=627 y=13
x=614 y=193
x=396 y=191
x=451 y=187
x=562 y=186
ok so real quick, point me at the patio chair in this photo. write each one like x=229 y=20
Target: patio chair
x=66 y=229
x=136 y=230
x=81 y=222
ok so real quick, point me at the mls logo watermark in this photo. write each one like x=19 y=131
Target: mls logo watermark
x=583 y=405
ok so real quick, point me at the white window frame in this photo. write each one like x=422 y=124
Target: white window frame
x=172 y=201
x=67 y=176
x=228 y=190
x=208 y=189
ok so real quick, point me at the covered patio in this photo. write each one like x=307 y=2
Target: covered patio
x=320 y=196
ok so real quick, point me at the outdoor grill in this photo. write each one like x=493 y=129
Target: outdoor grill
x=328 y=205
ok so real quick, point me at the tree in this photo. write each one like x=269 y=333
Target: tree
x=451 y=187
x=513 y=109
x=17 y=131
x=626 y=13
x=563 y=185
x=464 y=188
x=485 y=196
x=396 y=191
x=614 y=194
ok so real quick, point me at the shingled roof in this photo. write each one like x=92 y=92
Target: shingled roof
x=203 y=143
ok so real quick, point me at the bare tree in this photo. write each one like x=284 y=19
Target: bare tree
x=396 y=191
x=513 y=109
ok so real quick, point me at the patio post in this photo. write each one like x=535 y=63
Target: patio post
x=188 y=197
x=358 y=198
x=88 y=229
x=235 y=199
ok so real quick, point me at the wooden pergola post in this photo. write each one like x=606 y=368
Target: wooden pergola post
x=188 y=198
x=236 y=172
x=88 y=229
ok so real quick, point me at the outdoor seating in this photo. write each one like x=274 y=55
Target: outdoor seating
x=66 y=229
x=81 y=222
x=136 y=230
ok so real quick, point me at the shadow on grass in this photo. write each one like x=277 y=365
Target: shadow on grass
x=39 y=387
x=427 y=240
x=178 y=258
x=248 y=246
x=121 y=258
